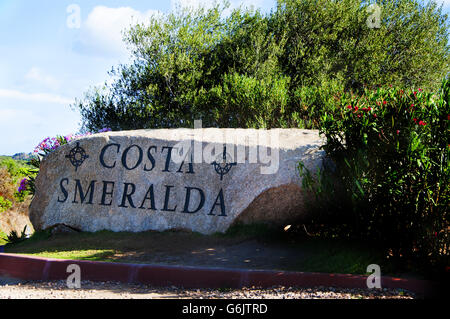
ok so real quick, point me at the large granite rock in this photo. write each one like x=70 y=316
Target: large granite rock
x=202 y=180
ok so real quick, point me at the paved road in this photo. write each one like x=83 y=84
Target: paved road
x=9 y=281
x=113 y=290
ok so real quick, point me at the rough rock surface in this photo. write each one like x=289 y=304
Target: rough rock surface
x=142 y=180
x=15 y=220
x=62 y=229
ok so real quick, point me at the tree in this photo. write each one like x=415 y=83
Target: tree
x=332 y=39
x=277 y=70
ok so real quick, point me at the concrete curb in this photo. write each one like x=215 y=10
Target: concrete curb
x=45 y=269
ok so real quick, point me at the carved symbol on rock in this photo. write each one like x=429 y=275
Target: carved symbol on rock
x=221 y=165
x=77 y=156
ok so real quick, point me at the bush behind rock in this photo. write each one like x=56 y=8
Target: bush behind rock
x=390 y=148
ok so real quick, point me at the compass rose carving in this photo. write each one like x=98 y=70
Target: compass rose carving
x=222 y=165
x=77 y=156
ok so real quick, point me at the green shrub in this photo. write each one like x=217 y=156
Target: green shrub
x=244 y=101
x=15 y=168
x=309 y=103
x=390 y=149
x=14 y=237
x=7 y=187
x=4 y=204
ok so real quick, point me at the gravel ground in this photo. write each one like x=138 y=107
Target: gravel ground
x=114 y=290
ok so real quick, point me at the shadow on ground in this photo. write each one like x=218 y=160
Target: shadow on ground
x=239 y=250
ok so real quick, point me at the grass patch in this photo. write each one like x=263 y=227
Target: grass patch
x=338 y=256
x=250 y=231
x=103 y=245
x=2 y=238
x=87 y=254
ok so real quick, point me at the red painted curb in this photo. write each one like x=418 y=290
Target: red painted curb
x=36 y=268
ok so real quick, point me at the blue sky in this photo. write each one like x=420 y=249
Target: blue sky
x=46 y=62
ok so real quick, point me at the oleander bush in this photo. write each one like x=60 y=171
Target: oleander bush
x=390 y=152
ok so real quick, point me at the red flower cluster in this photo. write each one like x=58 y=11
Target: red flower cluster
x=419 y=122
x=365 y=109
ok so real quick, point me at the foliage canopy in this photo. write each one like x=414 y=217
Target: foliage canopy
x=247 y=69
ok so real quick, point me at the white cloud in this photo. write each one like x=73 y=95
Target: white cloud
x=38 y=75
x=34 y=97
x=19 y=118
x=102 y=32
